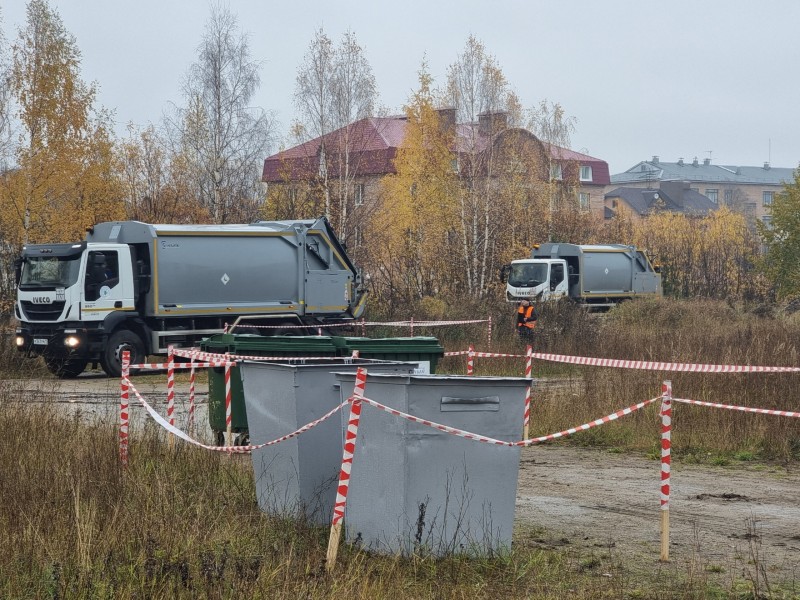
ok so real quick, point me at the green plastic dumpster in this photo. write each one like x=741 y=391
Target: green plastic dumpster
x=251 y=345
x=423 y=350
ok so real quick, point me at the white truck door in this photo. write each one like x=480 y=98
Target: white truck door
x=558 y=280
x=107 y=283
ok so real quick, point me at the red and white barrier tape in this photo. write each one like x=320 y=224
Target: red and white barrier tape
x=235 y=449
x=762 y=411
x=162 y=366
x=349 y=446
x=663 y=366
x=636 y=364
x=529 y=442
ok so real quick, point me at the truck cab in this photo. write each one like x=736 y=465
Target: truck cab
x=536 y=279
x=66 y=293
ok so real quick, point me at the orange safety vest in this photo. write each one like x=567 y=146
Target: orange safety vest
x=525 y=313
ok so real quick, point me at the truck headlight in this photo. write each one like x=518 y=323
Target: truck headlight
x=19 y=341
x=72 y=341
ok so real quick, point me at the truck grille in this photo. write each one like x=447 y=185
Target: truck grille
x=42 y=312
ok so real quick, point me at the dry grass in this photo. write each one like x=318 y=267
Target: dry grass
x=184 y=523
x=665 y=331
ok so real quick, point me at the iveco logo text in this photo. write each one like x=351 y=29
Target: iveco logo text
x=170 y=245
x=42 y=300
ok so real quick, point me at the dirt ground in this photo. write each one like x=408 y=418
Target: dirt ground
x=728 y=520
x=722 y=519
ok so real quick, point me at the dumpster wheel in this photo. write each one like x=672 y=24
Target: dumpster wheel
x=219 y=438
x=243 y=439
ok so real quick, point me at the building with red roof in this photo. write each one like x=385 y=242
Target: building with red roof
x=363 y=152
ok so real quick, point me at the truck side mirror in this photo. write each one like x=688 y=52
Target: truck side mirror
x=18 y=269
x=504 y=271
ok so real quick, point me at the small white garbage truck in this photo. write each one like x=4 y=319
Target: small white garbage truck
x=597 y=275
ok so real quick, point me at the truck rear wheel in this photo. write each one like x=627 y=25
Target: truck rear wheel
x=111 y=360
x=66 y=368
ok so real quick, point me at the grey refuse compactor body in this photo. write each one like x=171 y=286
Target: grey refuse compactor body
x=414 y=488
x=298 y=477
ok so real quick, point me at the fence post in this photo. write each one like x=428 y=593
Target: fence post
x=192 y=378
x=471 y=360
x=123 y=408
x=411 y=322
x=527 y=418
x=666 y=446
x=489 y=331
x=344 y=473
x=228 y=423
x=171 y=391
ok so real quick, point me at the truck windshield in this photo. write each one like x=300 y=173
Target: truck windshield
x=50 y=271
x=527 y=274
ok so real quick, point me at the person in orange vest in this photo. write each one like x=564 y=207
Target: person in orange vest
x=526 y=318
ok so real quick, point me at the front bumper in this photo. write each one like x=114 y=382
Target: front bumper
x=66 y=342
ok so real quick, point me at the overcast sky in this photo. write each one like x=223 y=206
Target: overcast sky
x=677 y=79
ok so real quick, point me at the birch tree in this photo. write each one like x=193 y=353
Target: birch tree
x=222 y=136
x=477 y=88
x=553 y=127
x=334 y=89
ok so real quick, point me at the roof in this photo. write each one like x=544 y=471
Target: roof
x=374 y=142
x=671 y=196
x=704 y=171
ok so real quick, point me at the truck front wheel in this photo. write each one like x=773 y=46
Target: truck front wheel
x=119 y=342
x=66 y=368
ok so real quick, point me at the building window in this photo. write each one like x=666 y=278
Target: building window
x=586 y=173
x=728 y=196
x=454 y=165
x=712 y=195
x=583 y=199
x=767 y=221
x=768 y=197
x=359 y=194
x=555 y=172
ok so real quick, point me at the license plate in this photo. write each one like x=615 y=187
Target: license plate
x=40 y=341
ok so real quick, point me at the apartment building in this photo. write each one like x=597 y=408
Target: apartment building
x=749 y=190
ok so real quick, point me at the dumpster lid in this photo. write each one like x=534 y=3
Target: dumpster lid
x=436 y=379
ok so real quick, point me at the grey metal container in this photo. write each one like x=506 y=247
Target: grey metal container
x=417 y=489
x=298 y=477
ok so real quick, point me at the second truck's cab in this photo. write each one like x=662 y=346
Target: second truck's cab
x=537 y=279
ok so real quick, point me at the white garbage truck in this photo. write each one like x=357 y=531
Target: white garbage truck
x=141 y=287
x=598 y=275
